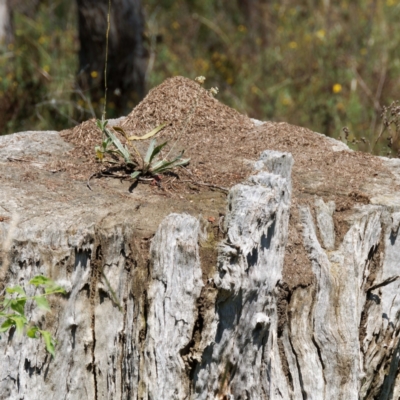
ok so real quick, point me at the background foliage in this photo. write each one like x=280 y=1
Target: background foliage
x=319 y=64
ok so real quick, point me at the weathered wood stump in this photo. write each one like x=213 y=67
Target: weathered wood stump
x=286 y=288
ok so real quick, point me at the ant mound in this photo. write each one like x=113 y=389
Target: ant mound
x=195 y=120
x=190 y=110
x=222 y=143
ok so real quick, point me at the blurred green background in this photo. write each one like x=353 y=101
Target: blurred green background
x=323 y=65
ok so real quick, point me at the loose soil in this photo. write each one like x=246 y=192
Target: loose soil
x=222 y=144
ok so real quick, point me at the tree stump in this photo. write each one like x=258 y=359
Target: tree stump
x=286 y=288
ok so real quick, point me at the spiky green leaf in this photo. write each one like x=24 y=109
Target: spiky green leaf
x=165 y=163
x=120 y=147
x=164 y=166
x=157 y=150
x=99 y=124
x=149 y=152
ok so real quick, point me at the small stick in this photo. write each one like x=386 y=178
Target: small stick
x=23 y=160
x=208 y=185
x=88 y=181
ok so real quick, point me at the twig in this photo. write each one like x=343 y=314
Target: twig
x=4 y=208
x=380 y=135
x=103 y=117
x=88 y=181
x=23 y=160
x=378 y=93
x=208 y=185
x=367 y=90
x=36 y=164
x=153 y=42
x=109 y=175
x=382 y=79
x=79 y=91
x=221 y=221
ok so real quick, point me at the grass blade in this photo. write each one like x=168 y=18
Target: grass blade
x=169 y=167
x=149 y=154
x=121 y=148
x=147 y=135
x=156 y=151
x=135 y=174
x=166 y=165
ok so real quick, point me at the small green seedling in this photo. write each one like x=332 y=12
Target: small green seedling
x=12 y=310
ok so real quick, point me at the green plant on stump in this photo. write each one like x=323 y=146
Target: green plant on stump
x=12 y=309
x=140 y=167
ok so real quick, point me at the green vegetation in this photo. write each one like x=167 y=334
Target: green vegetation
x=37 y=79
x=323 y=65
x=12 y=310
x=139 y=167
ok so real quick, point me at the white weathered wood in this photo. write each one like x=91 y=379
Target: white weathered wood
x=174 y=290
x=237 y=362
x=325 y=223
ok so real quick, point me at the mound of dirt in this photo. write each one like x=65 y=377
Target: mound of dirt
x=188 y=107
x=196 y=121
x=221 y=142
